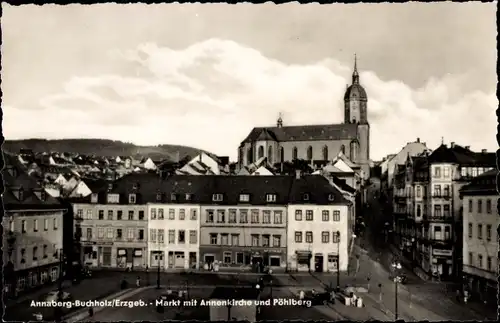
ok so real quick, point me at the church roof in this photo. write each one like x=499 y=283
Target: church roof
x=305 y=133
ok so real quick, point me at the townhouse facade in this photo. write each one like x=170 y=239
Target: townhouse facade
x=427 y=207
x=244 y=221
x=33 y=235
x=480 y=243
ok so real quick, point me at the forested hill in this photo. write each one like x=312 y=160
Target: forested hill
x=101 y=147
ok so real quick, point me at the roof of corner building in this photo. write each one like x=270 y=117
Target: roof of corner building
x=486 y=183
x=462 y=156
x=304 y=133
x=29 y=185
x=318 y=189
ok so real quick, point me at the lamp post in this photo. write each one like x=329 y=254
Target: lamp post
x=271 y=284
x=338 y=261
x=396 y=267
x=158 y=272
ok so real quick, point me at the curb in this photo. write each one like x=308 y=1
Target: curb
x=83 y=313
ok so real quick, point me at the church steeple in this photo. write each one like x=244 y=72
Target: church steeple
x=355 y=75
x=279 y=122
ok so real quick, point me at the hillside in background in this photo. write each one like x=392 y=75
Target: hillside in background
x=101 y=147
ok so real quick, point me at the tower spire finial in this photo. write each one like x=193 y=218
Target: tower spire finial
x=279 y=123
x=355 y=75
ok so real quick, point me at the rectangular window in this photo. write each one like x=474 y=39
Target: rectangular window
x=182 y=236
x=161 y=214
x=141 y=215
x=89 y=215
x=182 y=214
x=93 y=198
x=227 y=258
x=336 y=216
x=336 y=237
x=471 y=259
x=194 y=215
x=437 y=190
x=480 y=231
x=309 y=237
x=79 y=214
x=298 y=215
x=221 y=216
x=171 y=236
x=217 y=197
x=130 y=233
x=130 y=215
x=278 y=217
x=488 y=206
x=55 y=224
x=470 y=230
x=119 y=234
x=419 y=191
x=243 y=216
x=488 y=232
x=239 y=257
x=35 y=253
x=235 y=239
x=447 y=232
x=35 y=225
x=255 y=240
x=271 y=198
x=325 y=237
x=189 y=196
x=446 y=190
x=438 y=233
x=89 y=233
x=446 y=210
x=298 y=236
x=265 y=240
x=446 y=172
x=488 y=263
x=45 y=224
x=131 y=199
x=325 y=215
x=161 y=235
x=152 y=235
x=255 y=216
x=101 y=214
x=173 y=197
x=437 y=171
x=193 y=236
x=213 y=238
x=244 y=197
x=23 y=226
x=153 y=214
x=171 y=214
x=470 y=206
x=276 y=241
x=141 y=234
x=266 y=217
x=119 y=215
x=232 y=216
x=437 y=211
x=479 y=206
x=100 y=233
x=110 y=233
x=309 y=215
x=474 y=172
x=480 y=261
x=110 y=215
x=210 y=216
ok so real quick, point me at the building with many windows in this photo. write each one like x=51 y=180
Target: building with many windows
x=244 y=220
x=174 y=223
x=480 y=241
x=112 y=225
x=427 y=207
x=320 y=230
x=32 y=231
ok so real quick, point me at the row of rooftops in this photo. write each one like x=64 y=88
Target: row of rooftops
x=484 y=184
x=222 y=190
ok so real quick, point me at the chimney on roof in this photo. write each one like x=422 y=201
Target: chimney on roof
x=297 y=174
x=452 y=144
x=484 y=151
x=467 y=147
x=418 y=139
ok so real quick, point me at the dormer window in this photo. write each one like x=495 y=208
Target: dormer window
x=113 y=198
x=244 y=197
x=305 y=197
x=43 y=196
x=131 y=198
x=217 y=197
x=173 y=197
x=189 y=196
x=136 y=186
x=271 y=198
x=158 y=197
x=110 y=187
x=331 y=197
x=93 y=198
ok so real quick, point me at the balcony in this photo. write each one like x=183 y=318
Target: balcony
x=441 y=196
x=471 y=270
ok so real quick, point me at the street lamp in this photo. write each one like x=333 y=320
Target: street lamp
x=396 y=266
x=158 y=271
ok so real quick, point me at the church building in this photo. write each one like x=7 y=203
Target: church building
x=318 y=144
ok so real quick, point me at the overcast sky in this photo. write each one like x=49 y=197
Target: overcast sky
x=204 y=75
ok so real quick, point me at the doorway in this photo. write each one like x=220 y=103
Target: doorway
x=209 y=259
x=318 y=263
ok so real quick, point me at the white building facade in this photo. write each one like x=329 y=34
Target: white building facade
x=174 y=235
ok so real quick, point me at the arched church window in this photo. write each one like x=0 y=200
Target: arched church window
x=295 y=153
x=260 y=154
x=309 y=153
x=342 y=149
x=270 y=155
x=282 y=154
x=249 y=156
x=325 y=153
x=353 y=151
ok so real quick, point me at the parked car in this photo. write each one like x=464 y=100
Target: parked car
x=54 y=296
x=318 y=298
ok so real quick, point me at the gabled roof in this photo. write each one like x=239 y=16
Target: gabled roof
x=318 y=190
x=462 y=156
x=342 y=185
x=304 y=133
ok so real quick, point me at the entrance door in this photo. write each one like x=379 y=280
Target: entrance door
x=192 y=260
x=318 y=263
x=209 y=259
x=180 y=261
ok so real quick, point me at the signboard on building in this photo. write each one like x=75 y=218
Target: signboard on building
x=440 y=252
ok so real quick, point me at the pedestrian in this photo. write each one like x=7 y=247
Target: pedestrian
x=458 y=295
x=302 y=295
x=138 y=281
x=91 y=311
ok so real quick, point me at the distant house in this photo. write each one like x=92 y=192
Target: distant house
x=263 y=171
x=148 y=164
x=80 y=190
x=71 y=184
x=344 y=169
x=261 y=166
x=61 y=180
x=203 y=164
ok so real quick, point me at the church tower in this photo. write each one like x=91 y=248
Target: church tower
x=355 y=111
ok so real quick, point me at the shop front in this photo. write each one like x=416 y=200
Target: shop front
x=228 y=256
x=442 y=264
x=30 y=278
